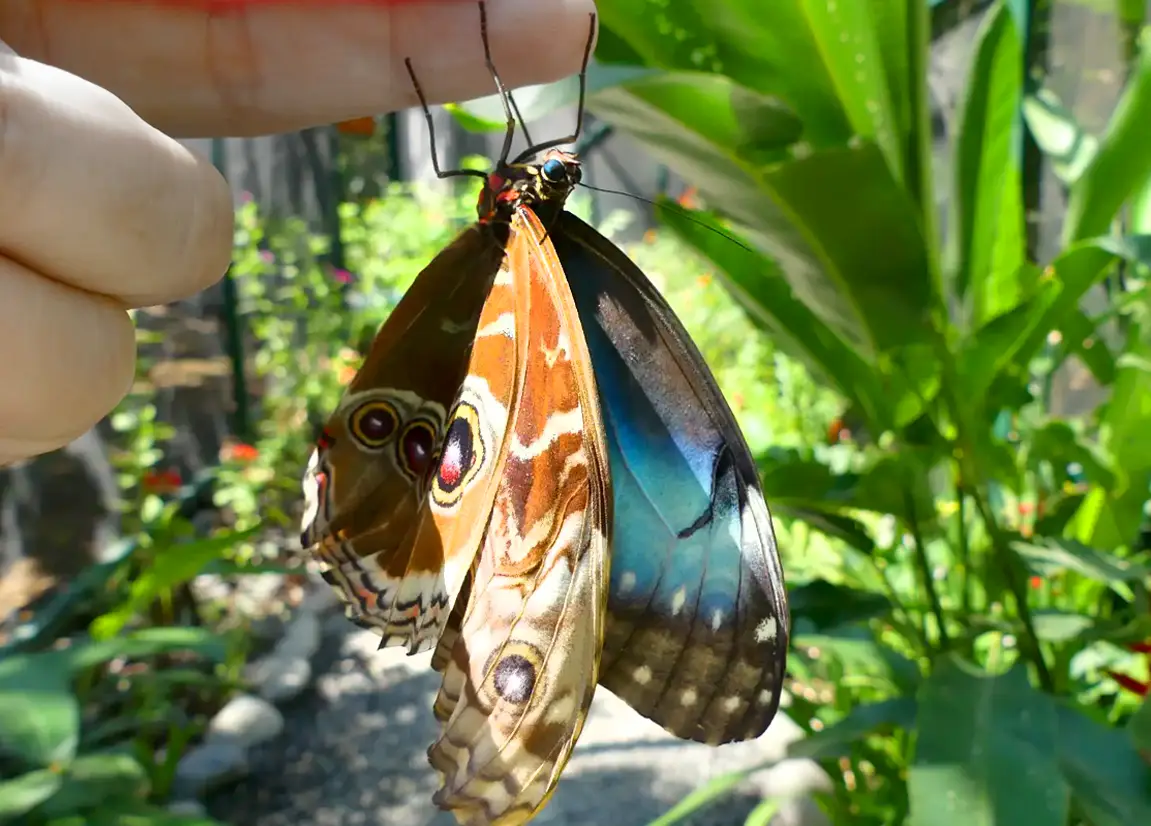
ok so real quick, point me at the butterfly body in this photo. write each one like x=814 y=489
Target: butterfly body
x=590 y=512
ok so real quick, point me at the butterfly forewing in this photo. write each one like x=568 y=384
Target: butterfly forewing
x=698 y=619
x=521 y=673
x=366 y=485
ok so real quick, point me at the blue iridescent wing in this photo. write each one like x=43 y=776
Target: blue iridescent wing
x=697 y=631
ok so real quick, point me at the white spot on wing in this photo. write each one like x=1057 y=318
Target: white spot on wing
x=627 y=581
x=642 y=675
x=767 y=630
x=678 y=600
x=765 y=697
x=505 y=326
x=717 y=619
x=731 y=704
x=567 y=421
x=689 y=697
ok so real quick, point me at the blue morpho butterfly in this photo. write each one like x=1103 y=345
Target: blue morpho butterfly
x=535 y=472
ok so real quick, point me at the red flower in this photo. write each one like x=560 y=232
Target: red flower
x=161 y=481
x=343 y=276
x=238 y=452
x=1129 y=683
x=1036 y=582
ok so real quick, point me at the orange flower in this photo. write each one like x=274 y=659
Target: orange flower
x=238 y=452
x=1036 y=582
x=688 y=199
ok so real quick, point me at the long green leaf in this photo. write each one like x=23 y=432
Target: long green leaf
x=987 y=236
x=1121 y=165
x=758 y=284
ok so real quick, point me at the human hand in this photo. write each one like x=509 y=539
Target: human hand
x=100 y=211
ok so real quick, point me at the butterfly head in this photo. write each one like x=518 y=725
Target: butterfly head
x=537 y=182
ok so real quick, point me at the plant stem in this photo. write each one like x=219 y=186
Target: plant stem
x=925 y=568
x=965 y=562
x=1017 y=587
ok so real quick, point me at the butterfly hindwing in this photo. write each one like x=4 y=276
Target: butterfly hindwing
x=698 y=619
x=520 y=673
x=367 y=480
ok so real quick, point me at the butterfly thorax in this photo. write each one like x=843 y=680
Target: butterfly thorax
x=542 y=183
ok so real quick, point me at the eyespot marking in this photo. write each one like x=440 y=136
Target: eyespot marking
x=373 y=423
x=514 y=679
x=417 y=447
x=461 y=456
x=513 y=676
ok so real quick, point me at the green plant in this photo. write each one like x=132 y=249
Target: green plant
x=80 y=726
x=982 y=567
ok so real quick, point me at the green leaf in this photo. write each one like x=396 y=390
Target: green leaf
x=1139 y=728
x=95 y=779
x=767 y=48
x=993 y=347
x=987 y=235
x=858 y=653
x=21 y=794
x=874 y=282
x=985 y=752
x=825 y=606
x=1122 y=433
x=1122 y=163
x=172 y=566
x=706 y=795
x=848 y=40
x=1106 y=775
x=39 y=714
x=759 y=285
x=837 y=740
x=1060 y=626
x=1049 y=556
x=762 y=814
x=147 y=642
x=1077 y=269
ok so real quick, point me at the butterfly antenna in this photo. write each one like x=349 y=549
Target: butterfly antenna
x=505 y=96
x=441 y=174
x=537 y=148
x=520 y=118
x=672 y=207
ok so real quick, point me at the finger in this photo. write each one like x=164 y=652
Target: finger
x=94 y=197
x=68 y=360
x=249 y=68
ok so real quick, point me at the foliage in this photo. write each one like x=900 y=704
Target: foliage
x=988 y=567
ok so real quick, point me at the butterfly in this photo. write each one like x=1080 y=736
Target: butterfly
x=535 y=473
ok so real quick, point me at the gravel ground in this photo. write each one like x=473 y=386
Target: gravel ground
x=353 y=753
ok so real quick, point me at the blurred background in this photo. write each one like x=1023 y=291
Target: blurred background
x=937 y=342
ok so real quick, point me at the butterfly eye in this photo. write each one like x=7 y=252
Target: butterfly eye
x=461 y=457
x=417 y=447
x=513 y=676
x=373 y=423
x=553 y=170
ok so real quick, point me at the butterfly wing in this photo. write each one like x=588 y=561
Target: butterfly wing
x=521 y=672
x=698 y=620
x=366 y=484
